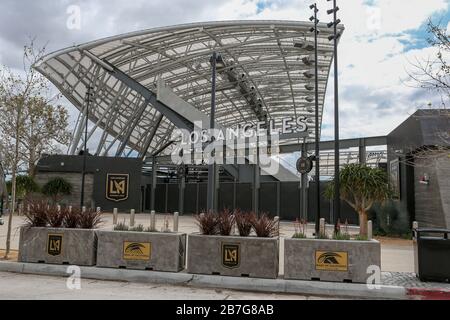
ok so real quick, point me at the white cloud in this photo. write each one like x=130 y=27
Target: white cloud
x=372 y=52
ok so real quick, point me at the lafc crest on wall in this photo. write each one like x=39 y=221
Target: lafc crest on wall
x=117 y=187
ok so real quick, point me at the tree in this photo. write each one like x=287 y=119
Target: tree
x=361 y=187
x=433 y=73
x=19 y=93
x=24 y=186
x=57 y=187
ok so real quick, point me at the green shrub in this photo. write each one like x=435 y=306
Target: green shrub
x=57 y=187
x=121 y=226
x=341 y=236
x=138 y=228
x=24 y=186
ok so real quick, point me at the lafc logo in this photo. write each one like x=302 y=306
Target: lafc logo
x=54 y=244
x=331 y=261
x=117 y=187
x=230 y=255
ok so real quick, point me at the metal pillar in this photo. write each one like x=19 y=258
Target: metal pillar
x=83 y=171
x=317 y=133
x=154 y=181
x=181 y=194
x=304 y=189
x=337 y=194
x=211 y=197
x=362 y=152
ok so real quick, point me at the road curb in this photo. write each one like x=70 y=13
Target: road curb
x=344 y=290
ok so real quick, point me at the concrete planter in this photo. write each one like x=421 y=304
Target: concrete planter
x=58 y=246
x=233 y=256
x=141 y=250
x=330 y=260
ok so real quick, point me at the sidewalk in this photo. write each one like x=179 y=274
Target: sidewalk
x=394 y=285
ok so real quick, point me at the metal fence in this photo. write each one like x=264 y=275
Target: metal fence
x=281 y=199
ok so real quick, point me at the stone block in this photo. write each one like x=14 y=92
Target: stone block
x=233 y=256
x=330 y=260
x=58 y=246
x=141 y=250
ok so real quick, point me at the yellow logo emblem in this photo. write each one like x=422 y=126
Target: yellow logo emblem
x=54 y=244
x=137 y=250
x=117 y=187
x=331 y=261
x=230 y=255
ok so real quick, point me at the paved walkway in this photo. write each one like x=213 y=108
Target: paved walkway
x=33 y=287
x=396 y=254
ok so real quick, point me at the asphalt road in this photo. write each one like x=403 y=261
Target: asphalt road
x=32 y=287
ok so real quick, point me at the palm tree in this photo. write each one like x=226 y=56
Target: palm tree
x=361 y=186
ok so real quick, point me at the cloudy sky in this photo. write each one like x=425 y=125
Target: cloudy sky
x=381 y=37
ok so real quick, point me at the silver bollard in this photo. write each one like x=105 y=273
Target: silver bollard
x=83 y=209
x=322 y=226
x=132 y=217
x=70 y=208
x=115 y=216
x=99 y=209
x=175 y=221
x=58 y=207
x=153 y=220
x=369 y=230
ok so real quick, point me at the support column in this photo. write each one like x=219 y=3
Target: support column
x=256 y=186
x=362 y=152
x=154 y=181
x=181 y=194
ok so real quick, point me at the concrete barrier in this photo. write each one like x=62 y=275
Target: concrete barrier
x=141 y=250
x=330 y=260
x=58 y=246
x=233 y=256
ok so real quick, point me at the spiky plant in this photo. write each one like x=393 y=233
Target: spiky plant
x=265 y=226
x=55 y=218
x=244 y=222
x=121 y=226
x=90 y=219
x=225 y=222
x=37 y=215
x=138 y=228
x=71 y=217
x=208 y=223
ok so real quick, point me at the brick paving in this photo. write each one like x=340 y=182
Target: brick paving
x=409 y=280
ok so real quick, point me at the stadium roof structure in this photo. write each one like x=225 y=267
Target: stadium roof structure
x=268 y=73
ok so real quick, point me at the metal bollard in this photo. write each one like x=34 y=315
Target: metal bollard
x=99 y=209
x=132 y=217
x=276 y=219
x=115 y=216
x=58 y=207
x=175 y=221
x=369 y=230
x=70 y=208
x=153 y=220
x=83 y=209
x=322 y=226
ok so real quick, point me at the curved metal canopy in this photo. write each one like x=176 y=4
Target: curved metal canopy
x=268 y=73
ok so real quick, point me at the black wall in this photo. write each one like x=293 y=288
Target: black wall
x=100 y=167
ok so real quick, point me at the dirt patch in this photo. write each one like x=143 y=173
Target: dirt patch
x=394 y=241
x=13 y=255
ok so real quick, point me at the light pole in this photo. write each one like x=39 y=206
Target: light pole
x=335 y=37
x=83 y=172
x=316 y=87
x=216 y=61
